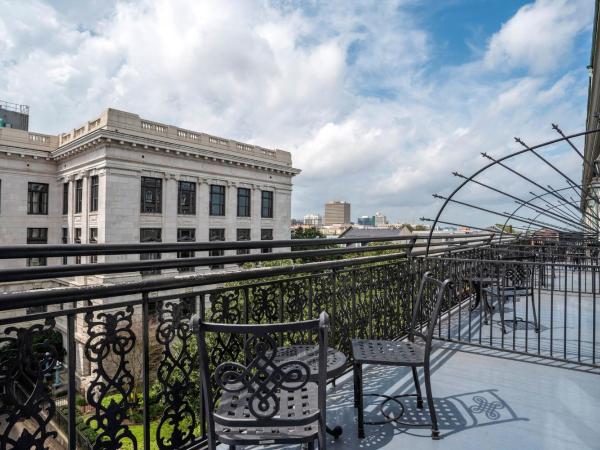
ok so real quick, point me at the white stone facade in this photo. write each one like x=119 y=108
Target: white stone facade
x=120 y=148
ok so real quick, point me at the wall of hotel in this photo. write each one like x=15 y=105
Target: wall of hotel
x=15 y=174
x=125 y=167
x=119 y=169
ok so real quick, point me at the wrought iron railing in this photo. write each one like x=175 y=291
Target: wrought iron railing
x=546 y=309
x=129 y=349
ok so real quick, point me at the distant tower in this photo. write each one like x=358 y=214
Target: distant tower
x=313 y=220
x=13 y=115
x=336 y=213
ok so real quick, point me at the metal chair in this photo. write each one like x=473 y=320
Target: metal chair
x=515 y=280
x=408 y=353
x=262 y=402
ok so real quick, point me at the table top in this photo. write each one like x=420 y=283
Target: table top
x=480 y=279
x=309 y=354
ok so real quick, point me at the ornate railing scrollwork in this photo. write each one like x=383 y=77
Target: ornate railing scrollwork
x=110 y=340
x=178 y=421
x=24 y=396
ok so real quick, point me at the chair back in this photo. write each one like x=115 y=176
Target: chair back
x=518 y=276
x=426 y=309
x=258 y=375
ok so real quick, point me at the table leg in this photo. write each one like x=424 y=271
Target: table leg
x=477 y=287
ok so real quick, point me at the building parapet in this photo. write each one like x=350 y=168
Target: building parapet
x=12 y=137
x=122 y=121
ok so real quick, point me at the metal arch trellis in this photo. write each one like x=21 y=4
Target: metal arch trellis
x=554 y=213
x=531 y=200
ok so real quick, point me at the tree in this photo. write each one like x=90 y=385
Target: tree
x=307 y=233
x=311 y=233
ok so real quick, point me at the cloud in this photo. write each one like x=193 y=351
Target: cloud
x=352 y=90
x=539 y=36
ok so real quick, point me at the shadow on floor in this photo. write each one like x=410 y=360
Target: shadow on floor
x=456 y=413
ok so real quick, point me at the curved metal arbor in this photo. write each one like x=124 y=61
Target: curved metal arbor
x=553 y=208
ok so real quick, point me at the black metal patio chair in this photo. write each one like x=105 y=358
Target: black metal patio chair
x=262 y=402
x=411 y=353
x=514 y=281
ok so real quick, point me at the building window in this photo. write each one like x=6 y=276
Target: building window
x=78 y=196
x=93 y=239
x=37 y=236
x=186 y=198
x=37 y=198
x=243 y=234
x=77 y=240
x=215 y=235
x=243 y=202
x=151 y=195
x=150 y=235
x=266 y=209
x=65 y=198
x=217 y=200
x=65 y=240
x=266 y=234
x=186 y=235
x=94 y=193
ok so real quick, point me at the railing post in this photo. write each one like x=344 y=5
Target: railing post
x=71 y=393
x=146 y=370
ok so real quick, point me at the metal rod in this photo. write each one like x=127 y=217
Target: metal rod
x=554 y=227
x=531 y=206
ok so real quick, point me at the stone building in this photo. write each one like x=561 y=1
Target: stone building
x=122 y=179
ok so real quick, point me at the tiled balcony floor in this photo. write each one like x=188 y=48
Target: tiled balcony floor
x=483 y=402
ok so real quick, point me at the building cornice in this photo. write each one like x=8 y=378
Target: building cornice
x=175 y=149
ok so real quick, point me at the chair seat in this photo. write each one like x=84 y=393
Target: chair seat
x=393 y=353
x=508 y=291
x=293 y=405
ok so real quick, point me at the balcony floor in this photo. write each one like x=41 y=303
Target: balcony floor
x=483 y=401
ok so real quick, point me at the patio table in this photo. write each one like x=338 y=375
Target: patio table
x=479 y=283
x=309 y=354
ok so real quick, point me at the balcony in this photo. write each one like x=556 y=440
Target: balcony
x=112 y=357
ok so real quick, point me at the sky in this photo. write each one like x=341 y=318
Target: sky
x=377 y=101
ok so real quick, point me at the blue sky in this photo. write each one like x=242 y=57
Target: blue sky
x=377 y=101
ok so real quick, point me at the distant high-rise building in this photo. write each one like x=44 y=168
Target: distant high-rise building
x=379 y=220
x=313 y=220
x=14 y=116
x=365 y=220
x=337 y=212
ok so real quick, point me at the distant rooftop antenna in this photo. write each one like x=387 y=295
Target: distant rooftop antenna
x=14 y=115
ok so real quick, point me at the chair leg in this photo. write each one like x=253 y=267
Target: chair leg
x=501 y=306
x=310 y=446
x=355 y=375
x=359 y=382
x=417 y=387
x=435 y=432
x=323 y=439
x=536 y=325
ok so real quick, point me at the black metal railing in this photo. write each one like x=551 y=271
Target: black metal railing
x=129 y=352
x=547 y=309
